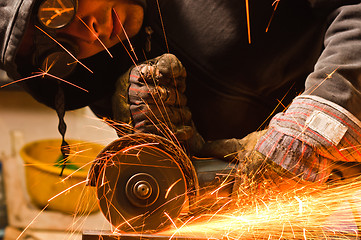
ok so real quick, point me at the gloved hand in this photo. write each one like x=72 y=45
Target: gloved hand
x=313 y=142
x=259 y=177
x=150 y=97
x=255 y=173
x=313 y=139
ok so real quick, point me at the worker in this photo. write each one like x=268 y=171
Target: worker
x=221 y=70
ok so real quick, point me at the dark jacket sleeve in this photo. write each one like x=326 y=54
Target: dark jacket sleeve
x=322 y=126
x=337 y=73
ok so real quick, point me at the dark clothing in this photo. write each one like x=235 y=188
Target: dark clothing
x=15 y=17
x=233 y=85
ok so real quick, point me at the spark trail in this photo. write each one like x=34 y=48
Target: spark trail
x=64 y=48
x=311 y=212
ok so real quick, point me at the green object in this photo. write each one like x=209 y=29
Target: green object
x=68 y=165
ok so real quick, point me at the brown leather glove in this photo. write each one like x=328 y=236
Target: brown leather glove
x=150 y=98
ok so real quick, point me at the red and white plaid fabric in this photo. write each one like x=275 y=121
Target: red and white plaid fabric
x=310 y=136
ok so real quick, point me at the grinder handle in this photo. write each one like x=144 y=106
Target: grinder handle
x=215 y=174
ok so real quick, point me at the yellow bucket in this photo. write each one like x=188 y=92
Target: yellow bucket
x=66 y=193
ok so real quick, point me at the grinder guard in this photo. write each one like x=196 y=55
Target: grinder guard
x=143 y=182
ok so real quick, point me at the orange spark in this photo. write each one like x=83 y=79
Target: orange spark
x=161 y=20
x=95 y=35
x=42 y=74
x=248 y=22
x=57 y=195
x=120 y=40
x=126 y=35
x=40 y=212
x=275 y=4
x=64 y=49
x=23 y=79
x=170 y=219
x=57 y=12
x=327 y=77
x=184 y=224
x=58 y=78
x=170 y=187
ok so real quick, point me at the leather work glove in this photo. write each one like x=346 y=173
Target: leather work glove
x=312 y=139
x=150 y=98
x=313 y=143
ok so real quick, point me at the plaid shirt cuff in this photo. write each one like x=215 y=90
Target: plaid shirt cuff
x=310 y=135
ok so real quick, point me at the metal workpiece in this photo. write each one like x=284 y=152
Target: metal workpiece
x=107 y=235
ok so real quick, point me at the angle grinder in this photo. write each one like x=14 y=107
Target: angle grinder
x=144 y=182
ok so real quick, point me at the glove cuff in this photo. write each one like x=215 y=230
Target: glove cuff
x=311 y=134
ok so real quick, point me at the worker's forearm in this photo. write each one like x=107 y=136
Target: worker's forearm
x=337 y=73
x=310 y=136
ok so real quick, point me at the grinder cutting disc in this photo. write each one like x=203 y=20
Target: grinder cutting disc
x=143 y=181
